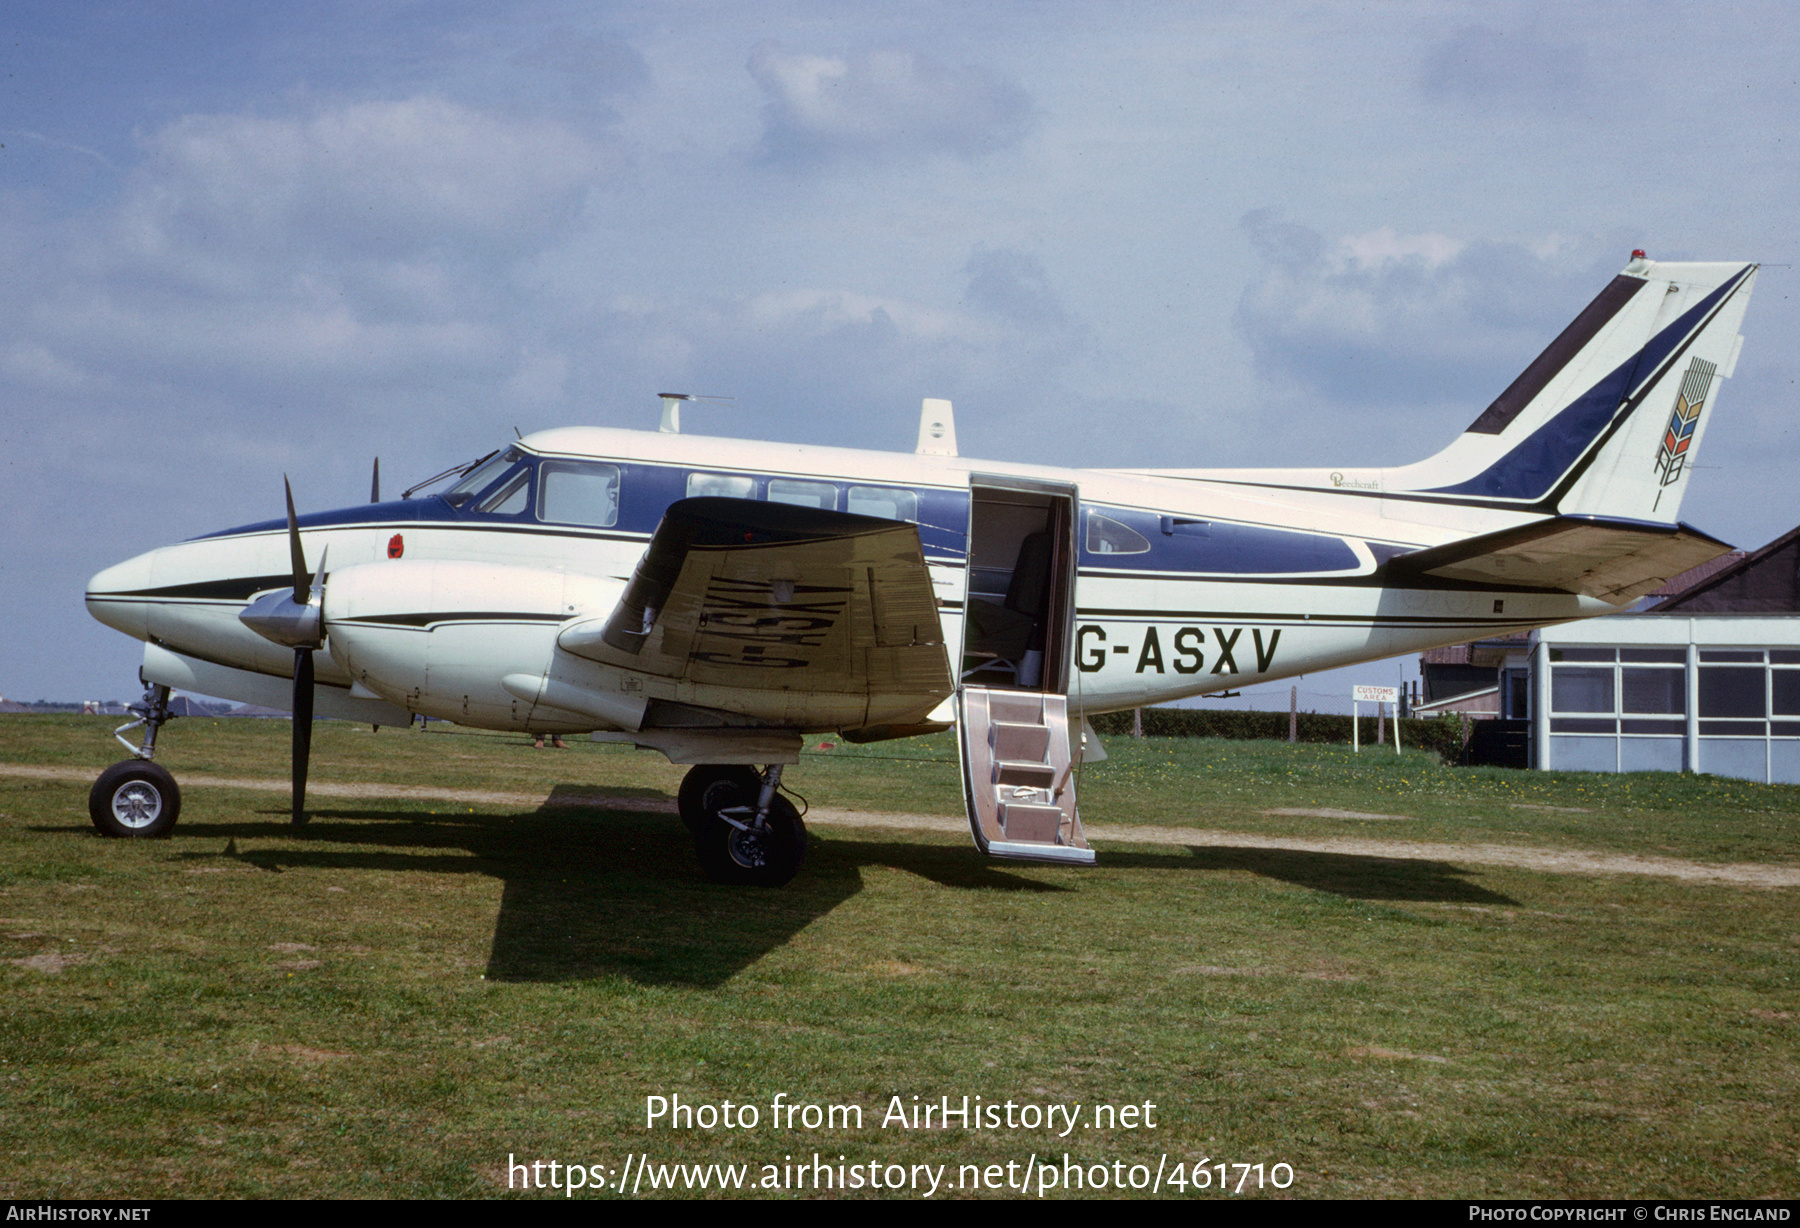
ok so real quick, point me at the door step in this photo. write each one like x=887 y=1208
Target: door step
x=1018 y=777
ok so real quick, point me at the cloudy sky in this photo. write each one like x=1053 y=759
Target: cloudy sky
x=239 y=241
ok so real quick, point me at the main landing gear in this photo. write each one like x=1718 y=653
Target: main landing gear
x=745 y=832
x=136 y=798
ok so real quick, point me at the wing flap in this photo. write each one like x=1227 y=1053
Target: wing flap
x=1615 y=560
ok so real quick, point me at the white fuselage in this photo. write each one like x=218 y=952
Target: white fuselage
x=1184 y=585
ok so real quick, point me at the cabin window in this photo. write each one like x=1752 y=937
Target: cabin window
x=720 y=486
x=578 y=492
x=883 y=501
x=803 y=494
x=1211 y=547
x=1108 y=536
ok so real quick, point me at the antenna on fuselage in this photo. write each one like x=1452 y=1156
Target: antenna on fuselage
x=671 y=415
x=937 y=428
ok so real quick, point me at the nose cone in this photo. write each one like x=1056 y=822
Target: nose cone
x=120 y=595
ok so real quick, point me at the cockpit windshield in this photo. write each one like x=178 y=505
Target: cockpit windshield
x=482 y=476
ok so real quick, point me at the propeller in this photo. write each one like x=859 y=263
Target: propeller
x=375 y=483
x=295 y=620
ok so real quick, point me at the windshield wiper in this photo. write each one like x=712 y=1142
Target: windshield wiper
x=452 y=471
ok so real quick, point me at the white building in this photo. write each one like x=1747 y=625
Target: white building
x=1706 y=681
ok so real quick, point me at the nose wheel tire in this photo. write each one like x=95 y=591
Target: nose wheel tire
x=135 y=799
x=711 y=787
x=750 y=856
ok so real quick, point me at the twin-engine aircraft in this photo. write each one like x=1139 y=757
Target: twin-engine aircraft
x=719 y=601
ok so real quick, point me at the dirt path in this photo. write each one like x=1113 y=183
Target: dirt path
x=1551 y=861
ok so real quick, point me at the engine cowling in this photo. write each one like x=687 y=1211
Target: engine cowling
x=444 y=638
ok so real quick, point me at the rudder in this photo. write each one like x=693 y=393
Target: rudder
x=1608 y=418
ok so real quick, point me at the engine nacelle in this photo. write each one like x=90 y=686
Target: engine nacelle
x=444 y=638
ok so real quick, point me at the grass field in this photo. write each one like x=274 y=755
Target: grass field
x=510 y=960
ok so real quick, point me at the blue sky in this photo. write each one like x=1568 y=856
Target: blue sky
x=242 y=241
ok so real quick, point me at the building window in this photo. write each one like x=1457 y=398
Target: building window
x=1618 y=709
x=1747 y=712
x=1582 y=689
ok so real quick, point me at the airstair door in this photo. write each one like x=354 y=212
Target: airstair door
x=1012 y=692
x=1019 y=775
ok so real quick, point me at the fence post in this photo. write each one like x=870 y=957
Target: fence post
x=1293 y=714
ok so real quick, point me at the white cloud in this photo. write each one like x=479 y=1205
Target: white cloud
x=1378 y=247
x=310 y=257
x=592 y=70
x=1482 y=65
x=1014 y=286
x=883 y=102
x=33 y=365
x=371 y=177
x=817 y=312
x=844 y=365
x=1386 y=319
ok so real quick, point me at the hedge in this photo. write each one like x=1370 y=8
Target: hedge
x=1443 y=734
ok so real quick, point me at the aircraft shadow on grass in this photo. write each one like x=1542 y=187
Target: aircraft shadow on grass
x=592 y=891
x=1352 y=876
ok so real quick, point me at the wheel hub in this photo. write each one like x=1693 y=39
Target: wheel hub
x=137 y=804
x=749 y=847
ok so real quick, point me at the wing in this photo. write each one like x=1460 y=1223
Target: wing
x=739 y=595
x=1615 y=560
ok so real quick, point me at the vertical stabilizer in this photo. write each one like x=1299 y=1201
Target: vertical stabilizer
x=1607 y=420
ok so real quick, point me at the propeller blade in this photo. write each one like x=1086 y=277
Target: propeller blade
x=375 y=483
x=303 y=715
x=295 y=553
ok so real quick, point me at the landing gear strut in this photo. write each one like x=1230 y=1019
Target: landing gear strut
x=712 y=786
x=745 y=832
x=136 y=798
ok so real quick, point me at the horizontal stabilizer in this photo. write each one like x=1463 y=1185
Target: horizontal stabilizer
x=1615 y=560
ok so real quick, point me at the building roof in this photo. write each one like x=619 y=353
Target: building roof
x=1765 y=581
x=1485 y=701
x=1466 y=653
x=1692 y=577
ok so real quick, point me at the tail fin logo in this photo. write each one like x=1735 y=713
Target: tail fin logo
x=1672 y=457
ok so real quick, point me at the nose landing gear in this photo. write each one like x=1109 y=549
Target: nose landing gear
x=137 y=799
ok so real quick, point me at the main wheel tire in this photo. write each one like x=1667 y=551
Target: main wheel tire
x=768 y=857
x=711 y=787
x=135 y=799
